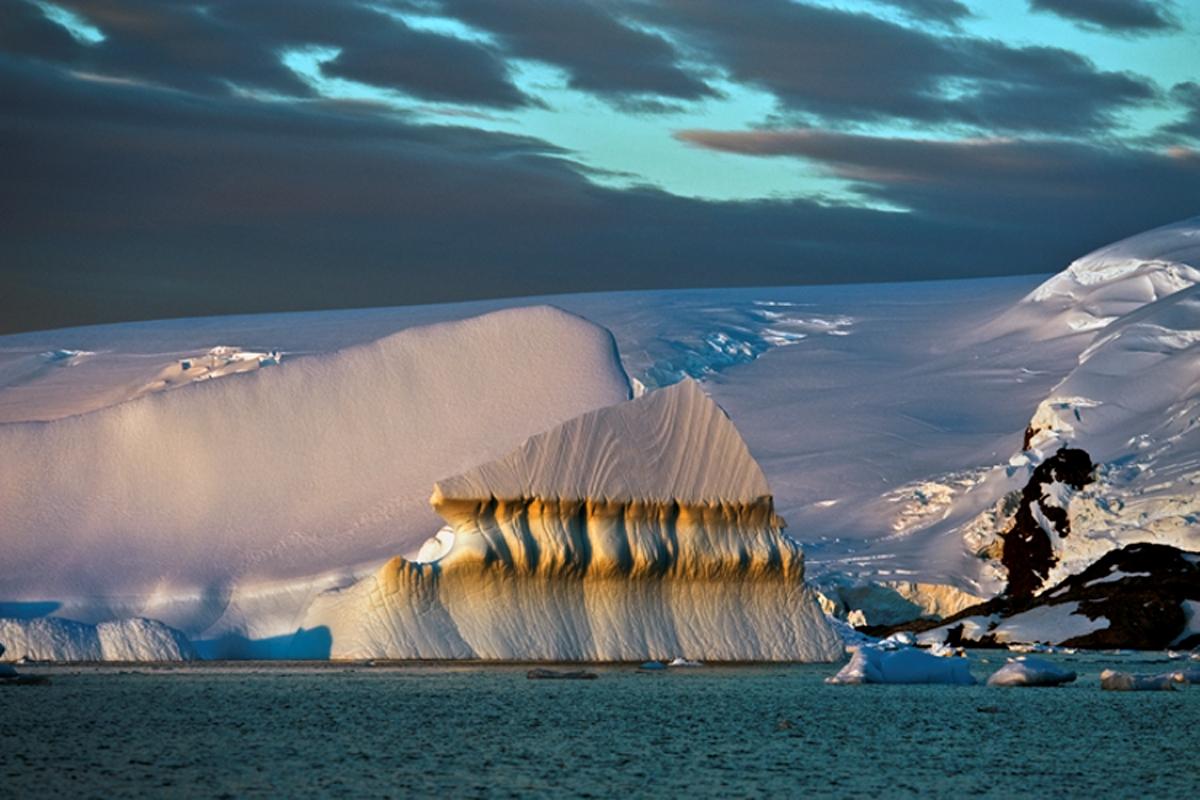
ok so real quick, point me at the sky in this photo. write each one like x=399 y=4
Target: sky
x=165 y=158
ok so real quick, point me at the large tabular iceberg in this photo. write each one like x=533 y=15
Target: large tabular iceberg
x=642 y=530
x=223 y=508
x=52 y=639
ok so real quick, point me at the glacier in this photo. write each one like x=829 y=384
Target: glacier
x=644 y=530
x=897 y=425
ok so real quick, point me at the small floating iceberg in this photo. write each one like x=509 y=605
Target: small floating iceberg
x=1027 y=671
x=1113 y=681
x=872 y=664
x=10 y=677
x=1188 y=676
x=683 y=662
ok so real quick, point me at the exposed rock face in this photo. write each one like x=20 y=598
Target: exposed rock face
x=1143 y=597
x=1028 y=552
x=643 y=530
x=1141 y=589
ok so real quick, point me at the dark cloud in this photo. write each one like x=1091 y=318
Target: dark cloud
x=598 y=51
x=1120 y=16
x=830 y=62
x=851 y=66
x=1035 y=189
x=1187 y=95
x=136 y=184
x=25 y=30
x=432 y=67
x=945 y=12
x=208 y=47
x=127 y=202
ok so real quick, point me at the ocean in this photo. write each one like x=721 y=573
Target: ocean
x=232 y=730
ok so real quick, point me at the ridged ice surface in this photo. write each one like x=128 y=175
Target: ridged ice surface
x=671 y=445
x=538 y=569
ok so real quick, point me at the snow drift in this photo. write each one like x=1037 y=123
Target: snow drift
x=643 y=530
x=213 y=508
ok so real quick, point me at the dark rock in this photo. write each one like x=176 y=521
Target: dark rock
x=1144 y=607
x=24 y=680
x=1028 y=551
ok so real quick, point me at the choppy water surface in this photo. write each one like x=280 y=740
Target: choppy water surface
x=476 y=731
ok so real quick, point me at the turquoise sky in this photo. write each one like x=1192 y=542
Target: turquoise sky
x=637 y=149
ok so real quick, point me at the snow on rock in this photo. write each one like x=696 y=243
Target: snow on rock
x=1191 y=615
x=1141 y=423
x=1029 y=671
x=1142 y=596
x=875 y=664
x=1113 y=681
x=641 y=530
x=209 y=507
x=54 y=639
x=1050 y=624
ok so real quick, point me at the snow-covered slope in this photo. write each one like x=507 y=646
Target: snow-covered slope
x=1131 y=401
x=1115 y=280
x=1108 y=366
x=610 y=537
x=221 y=508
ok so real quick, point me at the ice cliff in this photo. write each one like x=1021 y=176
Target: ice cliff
x=51 y=639
x=641 y=530
x=221 y=509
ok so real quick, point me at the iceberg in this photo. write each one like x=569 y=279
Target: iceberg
x=1027 y=671
x=879 y=664
x=224 y=508
x=1189 y=676
x=54 y=639
x=644 y=530
x=1114 y=681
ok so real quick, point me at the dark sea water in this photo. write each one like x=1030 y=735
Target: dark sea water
x=270 y=730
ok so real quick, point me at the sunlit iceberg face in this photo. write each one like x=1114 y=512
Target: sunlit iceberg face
x=436 y=546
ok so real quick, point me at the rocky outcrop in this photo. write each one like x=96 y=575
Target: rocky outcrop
x=1028 y=549
x=1143 y=597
